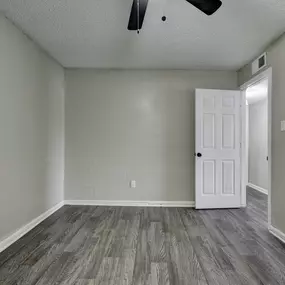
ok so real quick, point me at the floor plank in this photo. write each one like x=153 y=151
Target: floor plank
x=86 y=245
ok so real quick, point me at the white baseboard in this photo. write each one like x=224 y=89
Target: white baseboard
x=187 y=204
x=6 y=242
x=260 y=189
x=277 y=233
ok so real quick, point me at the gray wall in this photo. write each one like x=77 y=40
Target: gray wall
x=32 y=130
x=258 y=144
x=123 y=125
x=276 y=58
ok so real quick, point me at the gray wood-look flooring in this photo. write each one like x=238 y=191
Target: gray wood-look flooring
x=85 y=245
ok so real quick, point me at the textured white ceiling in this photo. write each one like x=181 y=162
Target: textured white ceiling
x=93 y=33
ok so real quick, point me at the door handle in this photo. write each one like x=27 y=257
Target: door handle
x=199 y=154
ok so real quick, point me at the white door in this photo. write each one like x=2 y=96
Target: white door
x=217 y=149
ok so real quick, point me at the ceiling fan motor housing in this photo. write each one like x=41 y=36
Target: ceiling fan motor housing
x=139 y=7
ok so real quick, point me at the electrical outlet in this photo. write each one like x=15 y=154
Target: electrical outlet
x=133 y=184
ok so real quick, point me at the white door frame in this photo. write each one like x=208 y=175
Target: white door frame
x=266 y=74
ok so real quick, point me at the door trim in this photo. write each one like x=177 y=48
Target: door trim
x=266 y=74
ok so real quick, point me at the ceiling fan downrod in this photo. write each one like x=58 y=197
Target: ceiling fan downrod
x=138 y=16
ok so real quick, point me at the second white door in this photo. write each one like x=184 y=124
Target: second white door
x=218 y=149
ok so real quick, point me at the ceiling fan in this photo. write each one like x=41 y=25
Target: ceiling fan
x=209 y=7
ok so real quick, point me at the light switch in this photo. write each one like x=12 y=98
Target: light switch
x=282 y=126
x=133 y=184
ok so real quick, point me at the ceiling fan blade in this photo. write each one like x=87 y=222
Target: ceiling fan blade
x=133 y=21
x=209 y=7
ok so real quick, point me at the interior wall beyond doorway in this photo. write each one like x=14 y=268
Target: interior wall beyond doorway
x=257 y=135
x=258 y=144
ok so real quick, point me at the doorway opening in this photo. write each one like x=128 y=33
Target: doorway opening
x=257 y=144
x=256 y=140
x=257 y=136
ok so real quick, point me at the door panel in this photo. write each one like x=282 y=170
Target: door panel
x=228 y=131
x=228 y=101
x=209 y=131
x=218 y=146
x=228 y=181
x=209 y=103
x=209 y=176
